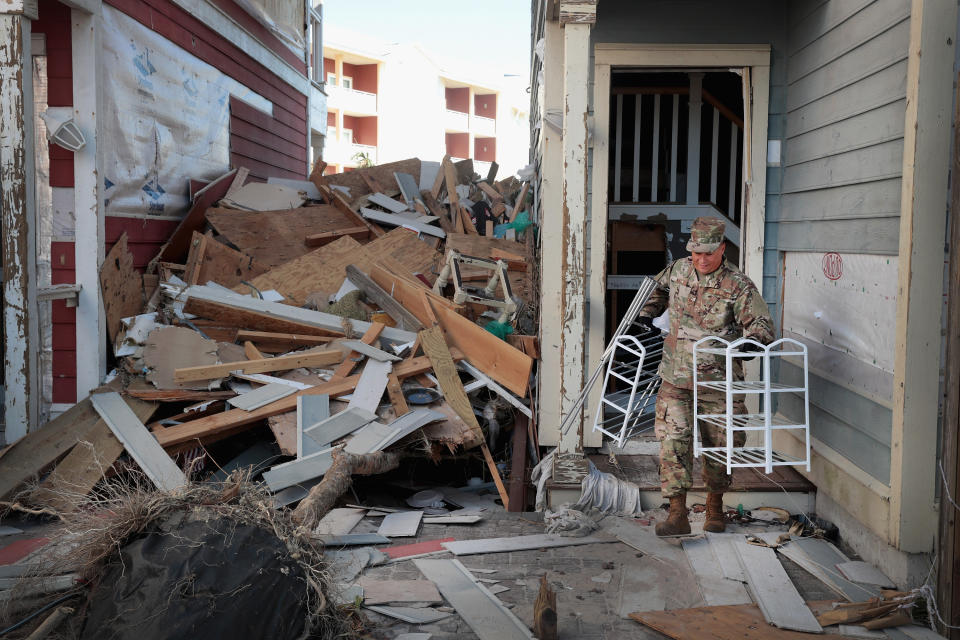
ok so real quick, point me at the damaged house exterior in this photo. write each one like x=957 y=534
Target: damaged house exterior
x=822 y=132
x=157 y=93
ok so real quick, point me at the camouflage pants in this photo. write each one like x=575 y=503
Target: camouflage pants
x=674 y=429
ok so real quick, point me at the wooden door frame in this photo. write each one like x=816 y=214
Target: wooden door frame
x=754 y=59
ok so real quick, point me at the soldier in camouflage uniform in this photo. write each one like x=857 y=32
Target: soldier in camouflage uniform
x=706 y=296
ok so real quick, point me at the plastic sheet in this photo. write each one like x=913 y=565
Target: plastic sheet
x=165 y=118
x=200 y=579
x=609 y=494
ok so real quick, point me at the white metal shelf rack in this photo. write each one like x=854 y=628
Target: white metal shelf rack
x=765 y=421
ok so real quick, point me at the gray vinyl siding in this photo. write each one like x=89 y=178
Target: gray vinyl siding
x=842 y=166
x=843 y=146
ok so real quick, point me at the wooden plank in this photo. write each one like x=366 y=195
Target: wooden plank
x=769 y=584
x=518 y=205
x=381 y=174
x=734 y=622
x=272 y=341
x=280 y=363
x=395 y=393
x=716 y=589
x=321 y=239
x=394 y=220
x=232 y=314
x=327 y=431
x=380 y=591
x=435 y=348
x=479 y=608
x=337 y=200
x=492 y=193
x=275 y=237
x=467 y=221
x=261 y=396
x=330 y=323
x=138 y=442
x=369 y=337
x=518 y=465
x=394 y=206
x=86 y=463
x=339 y=521
x=369 y=351
x=519 y=543
x=375 y=294
x=438 y=180
x=121 y=287
x=250 y=350
x=403 y=524
x=177 y=247
x=210 y=260
x=214 y=426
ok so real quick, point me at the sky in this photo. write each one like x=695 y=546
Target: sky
x=493 y=34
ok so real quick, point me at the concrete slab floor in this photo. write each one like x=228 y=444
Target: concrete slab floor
x=586 y=608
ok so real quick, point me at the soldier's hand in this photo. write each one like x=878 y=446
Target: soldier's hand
x=749 y=347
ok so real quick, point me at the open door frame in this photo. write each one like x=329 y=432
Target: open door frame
x=754 y=60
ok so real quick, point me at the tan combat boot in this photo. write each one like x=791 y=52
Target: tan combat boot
x=714 y=522
x=676 y=523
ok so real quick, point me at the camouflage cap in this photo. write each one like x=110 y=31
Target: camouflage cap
x=705 y=235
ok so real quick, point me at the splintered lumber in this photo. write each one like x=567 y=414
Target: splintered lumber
x=483 y=611
x=435 y=347
x=137 y=441
x=209 y=428
x=518 y=205
x=210 y=260
x=237 y=316
x=281 y=342
x=121 y=287
x=280 y=363
x=262 y=196
x=731 y=622
x=275 y=237
x=337 y=480
x=435 y=208
x=545 y=612
x=769 y=584
x=86 y=463
x=381 y=174
x=320 y=239
x=243 y=306
x=178 y=245
x=375 y=294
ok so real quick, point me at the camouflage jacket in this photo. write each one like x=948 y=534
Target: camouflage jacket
x=724 y=303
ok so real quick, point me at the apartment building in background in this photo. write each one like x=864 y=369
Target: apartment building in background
x=387 y=102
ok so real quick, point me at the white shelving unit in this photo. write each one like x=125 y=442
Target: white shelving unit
x=765 y=421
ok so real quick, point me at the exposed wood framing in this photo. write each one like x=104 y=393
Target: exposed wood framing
x=926 y=156
x=20 y=327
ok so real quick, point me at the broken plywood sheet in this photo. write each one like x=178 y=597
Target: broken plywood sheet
x=273 y=238
x=121 y=287
x=304 y=187
x=377 y=591
x=734 y=622
x=382 y=173
x=138 y=441
x=263 y=196
x=769 y=584
x=168 y=348
x=325 y=269
x=479 y=608
x=82 y=468
x=210 y=260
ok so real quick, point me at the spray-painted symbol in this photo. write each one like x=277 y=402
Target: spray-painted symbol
x=832 y=265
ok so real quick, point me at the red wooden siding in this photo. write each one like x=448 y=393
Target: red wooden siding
x=64 y=319
x=54 y=22
x=265 y=145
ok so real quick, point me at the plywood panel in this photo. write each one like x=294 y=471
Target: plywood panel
x=382 y=174
x=210 y=260
x=121 y=286
x=275 y=237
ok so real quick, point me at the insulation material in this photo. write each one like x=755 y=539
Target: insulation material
x=165 y=119
x=846 y=302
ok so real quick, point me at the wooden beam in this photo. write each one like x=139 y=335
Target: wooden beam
x=518 y=465
x=450 y=175
x=285 y=341
x=438 y=181
x=281 y=363
x=252 y=320
x=217 y=425
x=369 y=337
x=320 y=239
x=397 y=399
x=435 y=347
x=251 y=351
x=519 y=203
x=382 y=299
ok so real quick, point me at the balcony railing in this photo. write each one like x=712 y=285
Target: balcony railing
x=351 y=100
x=456 y=120
x=482 y=126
